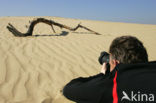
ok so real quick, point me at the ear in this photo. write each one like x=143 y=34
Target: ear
x=115 y=62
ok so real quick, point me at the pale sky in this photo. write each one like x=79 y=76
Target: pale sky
x=131 y=11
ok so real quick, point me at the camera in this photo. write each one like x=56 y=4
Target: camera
x=104 y=58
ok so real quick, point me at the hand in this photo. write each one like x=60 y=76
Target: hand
x=104 y=68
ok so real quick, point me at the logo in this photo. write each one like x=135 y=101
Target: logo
x=138 y=96
x=125 y=96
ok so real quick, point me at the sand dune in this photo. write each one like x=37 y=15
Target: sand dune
x=35 y=69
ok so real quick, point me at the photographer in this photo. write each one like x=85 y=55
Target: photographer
x=125 y=52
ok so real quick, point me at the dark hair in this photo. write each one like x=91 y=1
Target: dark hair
x=128 y=49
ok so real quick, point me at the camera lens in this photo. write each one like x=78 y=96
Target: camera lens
x=104 y=57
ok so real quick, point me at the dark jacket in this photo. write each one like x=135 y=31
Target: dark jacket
x=126 y=83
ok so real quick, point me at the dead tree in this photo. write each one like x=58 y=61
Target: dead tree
x=15 y=32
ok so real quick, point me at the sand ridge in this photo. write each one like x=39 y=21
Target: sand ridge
x=35 y=69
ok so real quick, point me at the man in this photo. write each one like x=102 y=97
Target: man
x=127 y=54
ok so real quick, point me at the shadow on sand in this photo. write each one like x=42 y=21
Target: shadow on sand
x=64 y=33
x=82 y=32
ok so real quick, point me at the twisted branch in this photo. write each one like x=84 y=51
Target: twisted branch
x=15 y=32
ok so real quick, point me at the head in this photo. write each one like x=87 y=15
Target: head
x=127 y=49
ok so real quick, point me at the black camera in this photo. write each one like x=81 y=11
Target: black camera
x=104 y=58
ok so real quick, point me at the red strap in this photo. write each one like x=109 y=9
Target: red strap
x=115 y=95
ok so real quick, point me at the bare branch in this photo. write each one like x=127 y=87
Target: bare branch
x=15 y=32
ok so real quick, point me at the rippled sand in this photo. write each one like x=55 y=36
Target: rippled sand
x=35 y=69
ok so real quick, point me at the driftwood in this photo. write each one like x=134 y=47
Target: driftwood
x=15 y=32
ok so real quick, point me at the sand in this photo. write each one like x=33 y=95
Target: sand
x=35 y=69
